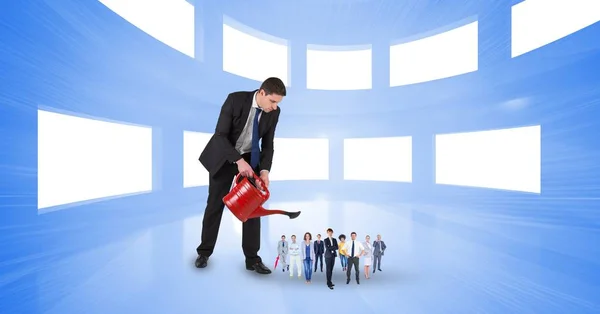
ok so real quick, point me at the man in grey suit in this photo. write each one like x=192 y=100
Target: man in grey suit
x=282 y=251
x=378 y=250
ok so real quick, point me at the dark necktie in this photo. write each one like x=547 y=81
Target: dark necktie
x=352 y=253
x=255 y=153
x=282 y=244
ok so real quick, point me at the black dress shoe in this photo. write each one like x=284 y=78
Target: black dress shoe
x=373 y=271
x=201 y=261
x=357 y=282
x=330 y=287
x=347 y=281
x=259 y=267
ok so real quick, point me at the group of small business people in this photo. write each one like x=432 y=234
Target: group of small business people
x=302 y=255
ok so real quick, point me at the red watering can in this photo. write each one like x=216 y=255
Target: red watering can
x=245 y=199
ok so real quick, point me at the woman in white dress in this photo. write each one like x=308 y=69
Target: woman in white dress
x=368 y=255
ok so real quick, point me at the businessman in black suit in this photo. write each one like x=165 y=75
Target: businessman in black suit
x=319 y=251
x=331 y=247
x=245 y=118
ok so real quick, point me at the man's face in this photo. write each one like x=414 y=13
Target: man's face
x=378 y=238
x=330 y=233
x=318 y=237
x=368 y=238
x=354 y=236
x=293 y=238
x=282 y=238
x=266 y=102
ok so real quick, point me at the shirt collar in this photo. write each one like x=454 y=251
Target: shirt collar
x=254 y=103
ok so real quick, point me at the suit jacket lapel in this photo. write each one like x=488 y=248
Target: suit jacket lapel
x=246 y=109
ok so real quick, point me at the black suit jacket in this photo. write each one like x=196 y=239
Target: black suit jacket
x=319 y=247
x=330 y=248
x=232 y=119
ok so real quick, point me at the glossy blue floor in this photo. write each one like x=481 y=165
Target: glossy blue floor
x=450 y=258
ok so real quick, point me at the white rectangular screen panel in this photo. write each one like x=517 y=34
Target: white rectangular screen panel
x=254 y=55
x=536 y=23
x=359 y=154
x=300 y=159
x=338 y=69
x=194 y=174
x=507 y=159
x=169 y=21
x=83 y=159
x=444 y=55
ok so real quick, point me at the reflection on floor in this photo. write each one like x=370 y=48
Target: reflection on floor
x=439 y=260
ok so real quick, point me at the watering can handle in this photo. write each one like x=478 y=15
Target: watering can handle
x=259 y=182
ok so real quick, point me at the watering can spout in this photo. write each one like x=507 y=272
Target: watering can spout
x=261 y=211
x=245 y=200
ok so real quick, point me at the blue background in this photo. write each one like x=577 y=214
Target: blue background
x=462 y=250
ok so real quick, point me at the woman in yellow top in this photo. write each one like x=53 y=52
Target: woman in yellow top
x=342 y=250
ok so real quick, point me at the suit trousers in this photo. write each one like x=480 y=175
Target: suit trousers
x=218 y=186
x=352 y=261
x=282 y=260
x=329 y=262
x=376 y=261
x=317 y=258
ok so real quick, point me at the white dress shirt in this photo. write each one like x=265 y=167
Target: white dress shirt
x=358 y=248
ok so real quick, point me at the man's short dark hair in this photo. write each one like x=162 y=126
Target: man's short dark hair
x=329 y=229
x=283 y=236
x=318 y=234
x=273 y=85
x=353 y=233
